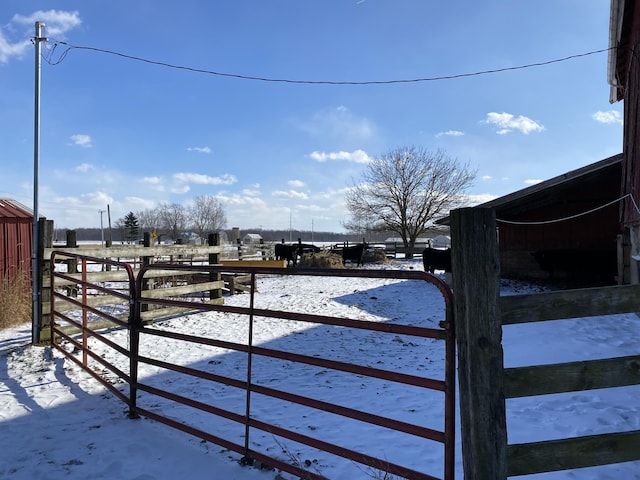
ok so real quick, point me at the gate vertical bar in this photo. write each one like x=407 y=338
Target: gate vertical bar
x=450 y=392
x=476 y=282
x=249 y=365
x=85 y=340
x=134 y=325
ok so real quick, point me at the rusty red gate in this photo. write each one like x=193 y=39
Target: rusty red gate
x=146 y=393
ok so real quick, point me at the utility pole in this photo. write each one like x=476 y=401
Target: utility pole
x=101 y=229
x=35 y=257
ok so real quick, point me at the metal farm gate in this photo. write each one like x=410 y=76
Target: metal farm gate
x=119 y=369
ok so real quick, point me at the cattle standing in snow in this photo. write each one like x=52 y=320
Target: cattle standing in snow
x=286 y=252
x=307 y=248
x=435 y=259
x=354 y=253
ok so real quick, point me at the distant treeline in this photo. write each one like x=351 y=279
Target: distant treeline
x=307 y=236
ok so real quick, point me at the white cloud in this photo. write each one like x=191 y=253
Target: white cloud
x=480 y=198
x=612 y=116
x=251 y=192
x=201 y=179
x=532 y=181
x=156 y=183
x=57 y=23
x=137 y=203
x=82 y=140
x=152 y=180
x=357 y=156
x=84 y=167
x=506 y=123
x=296 y=183
x=486 y=177
x=450 y=133
x=290 y=194
x=87 y=200
x=181 y=190
x=339 y=123
x=199 y=149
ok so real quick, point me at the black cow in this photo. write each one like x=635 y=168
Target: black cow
x=286 y=252
x=307 y=248
x=354 y=253
x=435 y=259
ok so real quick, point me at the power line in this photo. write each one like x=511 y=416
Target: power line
x=70 y=47
x=571 y=217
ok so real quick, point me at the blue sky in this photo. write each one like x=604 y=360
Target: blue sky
x=131 y=134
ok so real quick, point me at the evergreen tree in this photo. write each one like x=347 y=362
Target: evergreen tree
x=131 y=228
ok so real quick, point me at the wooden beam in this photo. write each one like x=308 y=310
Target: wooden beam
x=572 y=377
x=254 y=263
x=582 y=302
x=580 y=452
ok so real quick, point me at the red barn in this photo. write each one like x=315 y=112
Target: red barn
x=16 y=238
x=624 y=79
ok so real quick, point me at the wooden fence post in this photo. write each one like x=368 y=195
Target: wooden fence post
x=239 y=243
x=476 y=287
x=263 y=250
x=214 y=259
x=146 y=260
x=72 y=263
x=45 y=240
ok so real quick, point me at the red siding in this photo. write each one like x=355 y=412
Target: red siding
x=16 y=234
x=631 y=149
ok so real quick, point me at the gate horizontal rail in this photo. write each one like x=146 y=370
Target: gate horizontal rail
x=446 y=386
x=60 y=337
x=78 y=349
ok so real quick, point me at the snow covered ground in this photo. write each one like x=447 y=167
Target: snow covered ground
x=58 y=422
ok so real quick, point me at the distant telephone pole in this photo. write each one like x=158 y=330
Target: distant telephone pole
x=101 y=228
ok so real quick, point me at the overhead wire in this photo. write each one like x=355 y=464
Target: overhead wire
x=70 y=47
x=577 y=215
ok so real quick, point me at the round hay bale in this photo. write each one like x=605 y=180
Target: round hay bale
x=377 y=255
x=320 y=260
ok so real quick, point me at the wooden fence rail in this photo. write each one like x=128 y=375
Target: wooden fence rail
x=163 y=283
x=481 y=315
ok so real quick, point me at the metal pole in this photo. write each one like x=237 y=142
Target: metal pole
x=35 y=267
x=101 y=229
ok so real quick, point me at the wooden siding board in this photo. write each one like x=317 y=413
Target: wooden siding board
x=629 y=63
x=16 y=234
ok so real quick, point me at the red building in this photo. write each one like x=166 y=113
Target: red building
x=16 y=238
x=624 y=79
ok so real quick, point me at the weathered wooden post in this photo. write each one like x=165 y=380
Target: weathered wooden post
x=476 y=287
x=45 y=240
x=146 y=260
x=263 y=250
x=239 y=243
x=72 y=263
x=214 y=259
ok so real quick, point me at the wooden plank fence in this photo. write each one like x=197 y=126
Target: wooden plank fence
x=480 y=315
x=163 y=283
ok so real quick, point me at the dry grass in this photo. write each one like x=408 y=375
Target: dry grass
x=375 y=256
x=15 y=300
x=320 y=260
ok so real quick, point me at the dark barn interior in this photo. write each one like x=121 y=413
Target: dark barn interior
x=566 y=229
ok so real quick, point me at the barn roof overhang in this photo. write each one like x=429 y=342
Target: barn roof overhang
x=14 y=210
x=589 y=180
x=620 y=27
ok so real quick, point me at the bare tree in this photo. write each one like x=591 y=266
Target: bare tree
x=149 y=219
x=207 y=215
x=404 y=190
x=174 y=219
